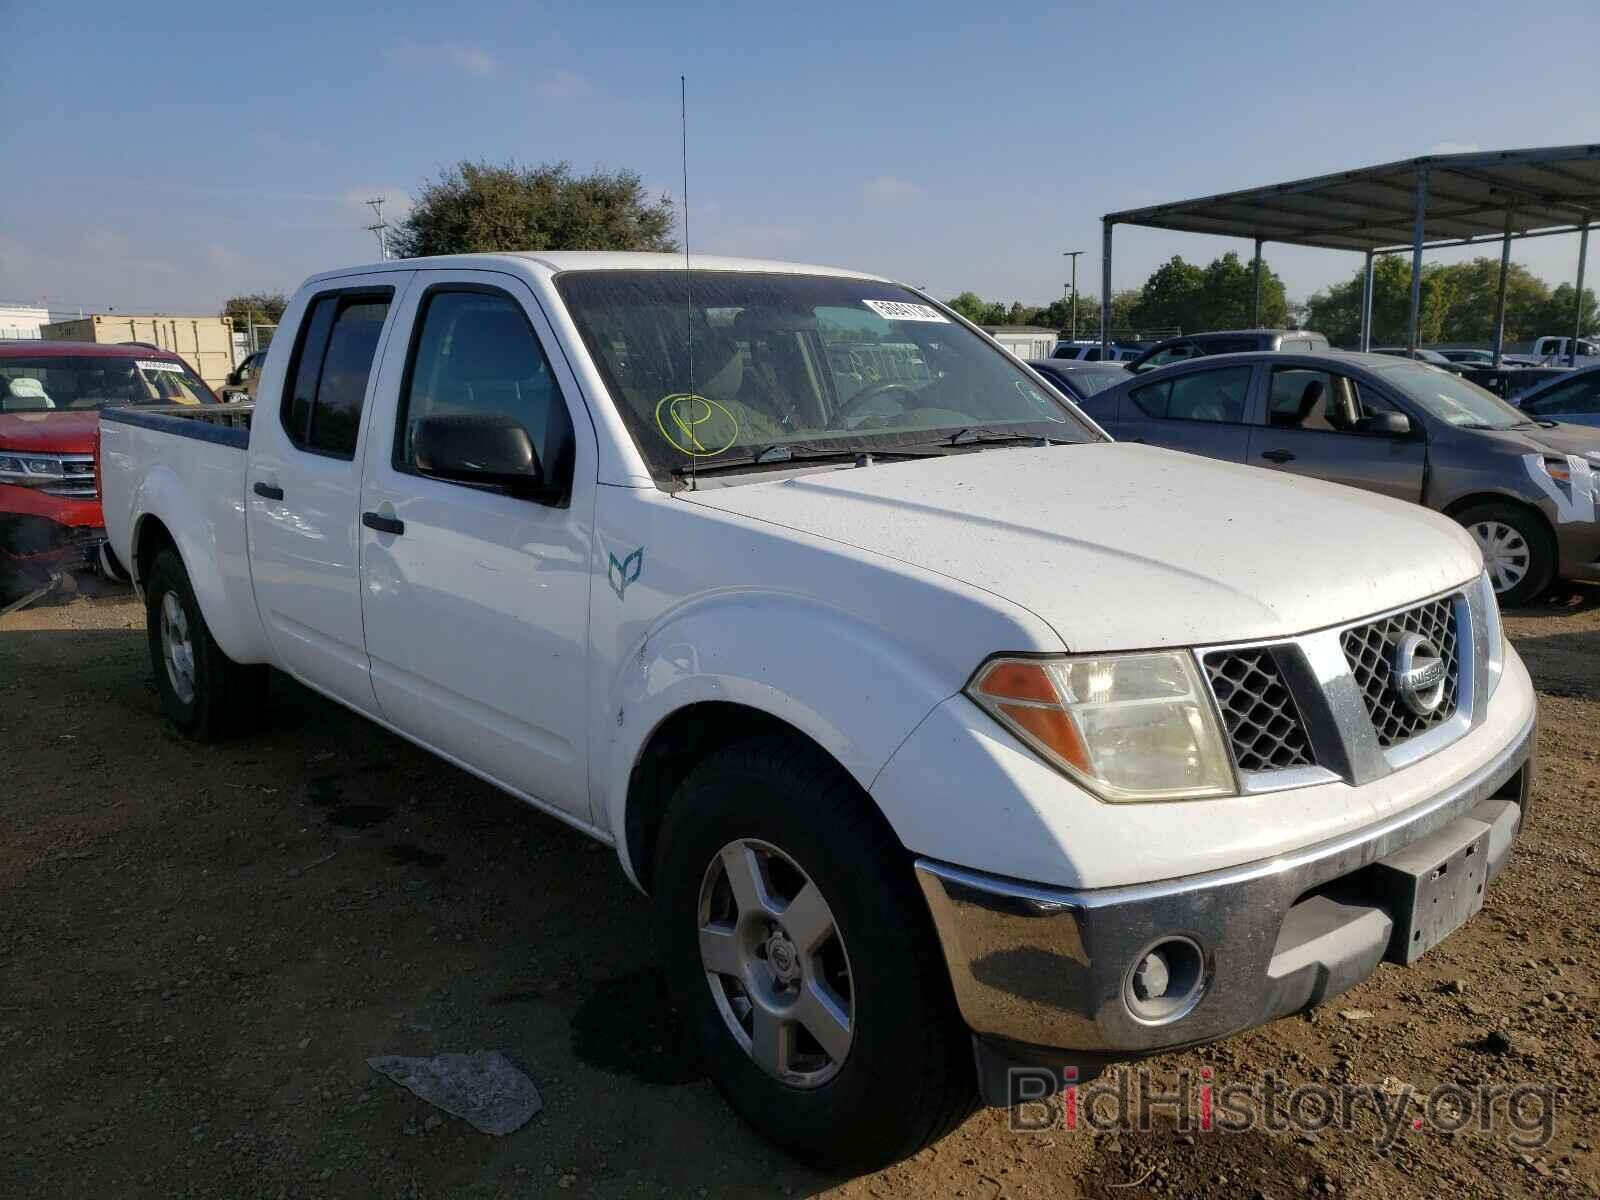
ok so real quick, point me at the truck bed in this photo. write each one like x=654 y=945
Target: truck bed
x=183 y=467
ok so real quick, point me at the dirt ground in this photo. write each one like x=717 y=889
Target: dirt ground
x=201 y=946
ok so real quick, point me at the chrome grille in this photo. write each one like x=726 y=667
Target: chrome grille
x=1368 y=647
x=78 y=477
x=1264 y=725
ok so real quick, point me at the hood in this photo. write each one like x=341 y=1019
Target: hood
x=50 y=432
x=1120 y=546
x=1559 y=438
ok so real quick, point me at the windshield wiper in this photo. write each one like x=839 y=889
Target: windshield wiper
x=977 y=435
x=783 y=454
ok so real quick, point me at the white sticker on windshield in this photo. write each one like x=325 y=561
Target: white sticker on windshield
x=155 y=364
x=899 y=310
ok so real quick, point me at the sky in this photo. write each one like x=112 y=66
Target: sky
x=163 y=156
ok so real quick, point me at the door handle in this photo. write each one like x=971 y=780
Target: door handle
x=1278 y=456
x=268 y=492
x=382 y=523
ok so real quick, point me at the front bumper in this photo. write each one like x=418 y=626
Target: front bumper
x=1047 y=968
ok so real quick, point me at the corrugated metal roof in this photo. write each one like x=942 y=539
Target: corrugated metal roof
x=1373 y=208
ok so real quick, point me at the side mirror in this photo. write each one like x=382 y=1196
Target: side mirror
x=1386 y=424
x=483 y=448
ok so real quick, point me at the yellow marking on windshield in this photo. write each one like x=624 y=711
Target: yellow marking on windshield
x=695 y=425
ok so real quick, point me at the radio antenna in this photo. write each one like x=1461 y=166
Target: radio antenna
x=688 y=274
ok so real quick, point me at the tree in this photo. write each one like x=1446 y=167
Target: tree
x=259 y=308
x=1457 y=304
x=1170 y=297
x=970 y=305
x=1556 y=315
x=1180 y=295
x=475 y=207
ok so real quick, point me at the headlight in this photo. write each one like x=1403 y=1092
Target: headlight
x=30 y=469
x=1127 y=726
x=1494 y=632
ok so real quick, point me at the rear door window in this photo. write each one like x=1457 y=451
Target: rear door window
x=1199 y=396
x=332 y=364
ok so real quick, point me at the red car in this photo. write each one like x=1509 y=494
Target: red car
x=50 y=397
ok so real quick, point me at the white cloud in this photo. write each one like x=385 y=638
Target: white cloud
x=1454 y=148
x=473 y=60
x=563 y=85
x=888 y=187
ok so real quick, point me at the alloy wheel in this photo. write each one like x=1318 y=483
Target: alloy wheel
x=776 y=963
x=177 y=650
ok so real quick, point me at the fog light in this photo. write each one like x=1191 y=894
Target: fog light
x=1165 y=981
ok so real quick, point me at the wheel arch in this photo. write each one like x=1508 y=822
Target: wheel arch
x=150 y=537
x=1461 y=504
x=673 y=748
x=166 y=514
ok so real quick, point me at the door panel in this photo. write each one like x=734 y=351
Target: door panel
x=477 y=611
x=306 y=487
x=1312 y=427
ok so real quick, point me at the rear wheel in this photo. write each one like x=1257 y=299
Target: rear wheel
x=205 y=693
x=803 y=960
x=1518 y=551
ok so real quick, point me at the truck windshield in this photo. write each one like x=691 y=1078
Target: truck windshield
x=816 y=363
x=44 y=383
x=1450 y=398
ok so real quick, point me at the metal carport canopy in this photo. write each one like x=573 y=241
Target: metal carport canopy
x=1436 y=201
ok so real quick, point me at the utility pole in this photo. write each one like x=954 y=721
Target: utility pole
x=1073 y=255
x=381 y=227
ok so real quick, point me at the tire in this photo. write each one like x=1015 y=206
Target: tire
x=205 y=693
x=1517 y=549
x=906 y=1076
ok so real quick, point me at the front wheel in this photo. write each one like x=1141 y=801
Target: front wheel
x=205 y=693
x=1518 y=551
x=804 y=962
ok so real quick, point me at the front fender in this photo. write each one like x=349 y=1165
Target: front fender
x=840 y=682
x=209 y=531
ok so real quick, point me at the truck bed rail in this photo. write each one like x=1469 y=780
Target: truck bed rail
x=224 y=424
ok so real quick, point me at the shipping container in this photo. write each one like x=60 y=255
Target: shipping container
x=205 y=343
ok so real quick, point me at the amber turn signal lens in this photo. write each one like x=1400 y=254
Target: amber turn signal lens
x=1014 y=680
x=1054 y=728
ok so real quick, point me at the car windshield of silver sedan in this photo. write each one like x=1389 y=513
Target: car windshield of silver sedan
x=45 y=383
x=715 y=367
x=1452 y=399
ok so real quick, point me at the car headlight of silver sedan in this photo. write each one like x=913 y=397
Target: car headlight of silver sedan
x=1129 y=727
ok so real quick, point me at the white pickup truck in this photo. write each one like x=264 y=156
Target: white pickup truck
x=955 y=742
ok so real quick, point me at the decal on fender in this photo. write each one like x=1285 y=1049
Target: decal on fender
x=621 y=572
x=1574 y=501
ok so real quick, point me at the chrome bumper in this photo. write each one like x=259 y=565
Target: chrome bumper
x=1042 y=967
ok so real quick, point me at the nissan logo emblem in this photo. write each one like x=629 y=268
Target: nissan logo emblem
x=1418 y=675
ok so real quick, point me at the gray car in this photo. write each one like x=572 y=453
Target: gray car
x=1525 y=488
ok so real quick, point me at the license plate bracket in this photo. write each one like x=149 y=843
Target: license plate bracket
x=1433 y=886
